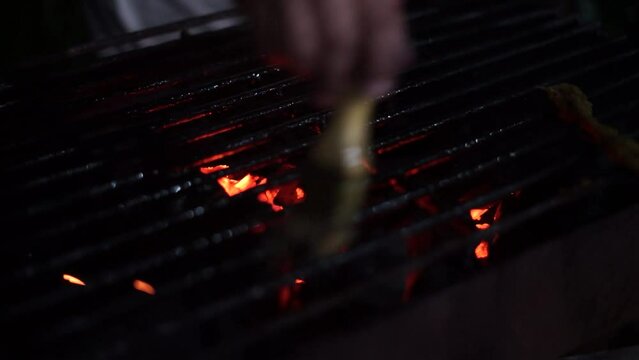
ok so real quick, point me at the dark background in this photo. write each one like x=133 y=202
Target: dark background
x=33 y=28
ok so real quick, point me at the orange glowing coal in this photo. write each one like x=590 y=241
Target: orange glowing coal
x=73 y=280
x=268 y=197
x=482 y=250
x=299 y=281
x=476 y=214
x=276 y=197
x=234 y=187
x=144 y=287
x=484 y=218
x=211 y=169
x=288 y=195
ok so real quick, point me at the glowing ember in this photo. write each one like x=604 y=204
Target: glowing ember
x=234 y=187
x=144 y=287
x=482 y=226
x=476 y=214
x=268 y=197
x=484 y=218
x=211 y=169
x=299 y=281
x=73 y=280
x=285 y=195
x=482 y=251
x=288 y=194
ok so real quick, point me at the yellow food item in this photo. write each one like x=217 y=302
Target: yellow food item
x=574 y=107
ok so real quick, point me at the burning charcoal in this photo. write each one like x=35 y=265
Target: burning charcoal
x=289 y=194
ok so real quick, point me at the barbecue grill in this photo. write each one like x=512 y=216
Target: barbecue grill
x=143 y=192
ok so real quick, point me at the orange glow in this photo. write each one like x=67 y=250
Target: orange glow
x=219 y=156
x=476 y=214
x=160 y=108
x=268 y=197
x=73 y=280
x=234 y=187
x=211 y=169
x=166 y=106
x=428 y=165
x=482 y=251
x=482 y=226
x=403 y=142
x=183 y=121
x=288 y=296
x=284 y=296
x=214 y=133
x=144 y=287
x=287 y=194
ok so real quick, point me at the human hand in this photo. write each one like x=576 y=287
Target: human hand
x=339 y=44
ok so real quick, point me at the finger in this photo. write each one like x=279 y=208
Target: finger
x=301 y=35
x=340 y=38
x=387 y=49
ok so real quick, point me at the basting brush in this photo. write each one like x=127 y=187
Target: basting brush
x=335 y=182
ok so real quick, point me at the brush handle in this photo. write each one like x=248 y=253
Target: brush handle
x=335 y=181
x=345 y=142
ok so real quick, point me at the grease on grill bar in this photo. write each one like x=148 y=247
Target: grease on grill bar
x=144 y=178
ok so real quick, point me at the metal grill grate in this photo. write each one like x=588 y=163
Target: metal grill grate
x=102 y=181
